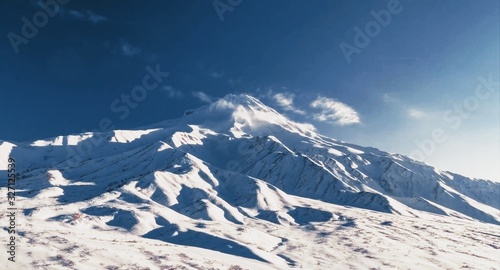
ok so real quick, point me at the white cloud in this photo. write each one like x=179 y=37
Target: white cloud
x=202 y=97
x=223 y=104
x=96 y=18
x=415 y=113
x=216 y=74
x=172 y=92
x=129 y=50
x=306 y=126
x=388 y=98
x=76 y=14
x=234 y=82
x=335 y=112
x=87 y=15
x=285 y=101
x=402 y=106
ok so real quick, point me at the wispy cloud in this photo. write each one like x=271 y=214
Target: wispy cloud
x=388 y=98
x=216 y=74
x=234 y=82
x=415 y=113
x=129 y=50
x=86 y=15
x=335 y=112
x=285 y=101
x=202 y=97
x=96 y=18
x=403 y=106
x=172 y=92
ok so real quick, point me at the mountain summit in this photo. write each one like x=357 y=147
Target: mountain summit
x=235 y=162
x=241 y=115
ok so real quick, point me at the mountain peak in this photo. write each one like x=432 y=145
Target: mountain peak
x=233 y=101
x=242 y=99
x=230 y=103
x=241 y=115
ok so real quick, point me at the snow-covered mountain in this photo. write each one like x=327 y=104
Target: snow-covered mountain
x=237 y=183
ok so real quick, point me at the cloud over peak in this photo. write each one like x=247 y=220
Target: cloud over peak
x=285 y=101
x=335 y=112
x=203 y=97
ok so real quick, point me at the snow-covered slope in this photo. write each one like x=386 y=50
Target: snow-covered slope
x=235 y=179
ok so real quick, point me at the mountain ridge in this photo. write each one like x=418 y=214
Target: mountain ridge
x=239 y=181
x=265 y=137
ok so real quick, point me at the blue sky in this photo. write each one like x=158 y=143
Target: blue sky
x=426 y=83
